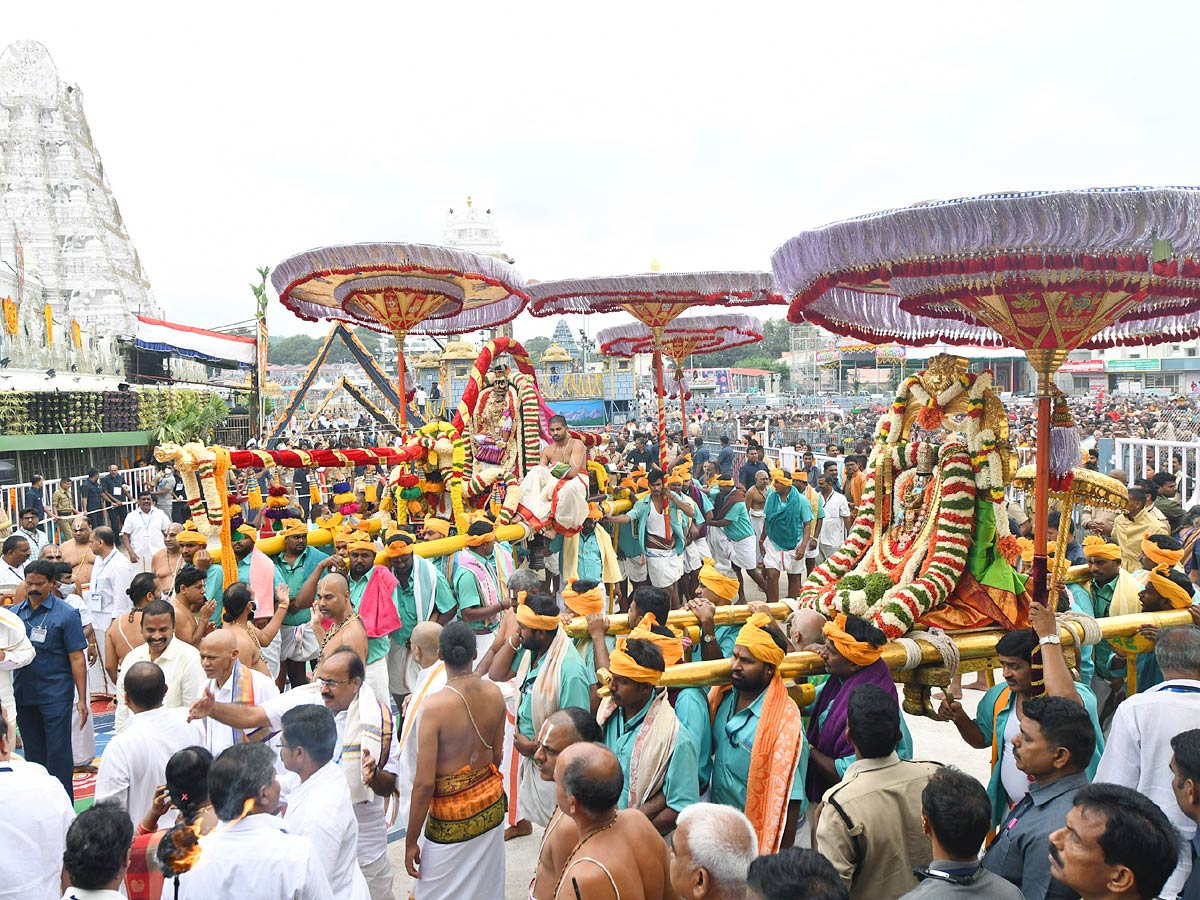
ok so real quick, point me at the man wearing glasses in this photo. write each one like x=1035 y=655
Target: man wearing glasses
x=367 y=756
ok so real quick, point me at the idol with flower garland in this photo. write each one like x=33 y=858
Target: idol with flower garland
x=930 y=544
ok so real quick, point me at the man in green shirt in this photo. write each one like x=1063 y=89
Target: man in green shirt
x=638 y=720
x=550 y=676
x=477 y=585
x=298 y=642
x=362 y=579
x=422 y=594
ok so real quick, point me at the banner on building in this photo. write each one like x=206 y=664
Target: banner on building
x=719 y=378
x=582 y=413
x=889 y=355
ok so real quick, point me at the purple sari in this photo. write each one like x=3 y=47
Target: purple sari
x=827 y=719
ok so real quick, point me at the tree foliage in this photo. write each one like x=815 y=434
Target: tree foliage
x=774 y=344
x=300 y=349
x=535 y=347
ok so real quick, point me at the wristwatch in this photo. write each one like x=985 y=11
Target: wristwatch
x=708 y=638
x=1050 y=639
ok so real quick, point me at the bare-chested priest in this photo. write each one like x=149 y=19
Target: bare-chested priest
x=347 y=629
x=167 y=562
x=619 y=855
x=562 y=474
x=455 y=841
x=566 y=727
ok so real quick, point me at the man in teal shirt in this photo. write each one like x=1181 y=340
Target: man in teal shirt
x=422 y=593
x=731 y=535
x=787 y=530
x=639 y=719
x=550 y=676
x=298 y=642
x=481 y=597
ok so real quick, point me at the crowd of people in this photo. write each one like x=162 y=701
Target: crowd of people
x=273 y=721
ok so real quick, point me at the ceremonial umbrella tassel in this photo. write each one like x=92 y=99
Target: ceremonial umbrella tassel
x=656 y=300
x=1046 y=272
x=680 y=339
x=401 y=289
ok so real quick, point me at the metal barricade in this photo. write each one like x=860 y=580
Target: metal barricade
x=12 y=496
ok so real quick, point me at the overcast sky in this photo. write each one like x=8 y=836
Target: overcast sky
x=603 y=135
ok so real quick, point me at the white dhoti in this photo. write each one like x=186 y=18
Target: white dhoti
x=377 y=678
x=727 y=554
x=483 y=643
x=535 y=797
x=695 y=553
x=633 y=569
x=758 y=521
x=402 y=669
x=9 y=705
x=473 y=868
x=664 y=570
x=782 y=560
x=546 y=500
x=97 y=677
x=83 y=740
x=270 y=655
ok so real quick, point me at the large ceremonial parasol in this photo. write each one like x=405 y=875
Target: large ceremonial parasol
x=679 y=340
x=401 y=289
x=1045 y=272
x=655 y=300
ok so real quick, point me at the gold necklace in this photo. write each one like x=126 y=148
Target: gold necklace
x=332 y=631
x=575 y=849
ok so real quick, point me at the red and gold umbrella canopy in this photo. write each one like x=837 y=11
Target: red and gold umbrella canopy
x=1046 y=272
x=401 y=289
x=655 y=300
x=682 y=338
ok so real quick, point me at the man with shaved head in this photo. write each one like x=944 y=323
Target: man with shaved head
x=621 y=855
x=167 y=562
x=347 y=630
x=566 y=727
x=230 y=681
x=431 y=678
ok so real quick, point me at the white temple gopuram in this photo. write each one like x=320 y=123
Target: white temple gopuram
x=76 y=252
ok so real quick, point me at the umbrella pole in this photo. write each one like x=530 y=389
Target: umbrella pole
x=400 y=335
x=1045 y=363
x=662 y=409
x=682 y=401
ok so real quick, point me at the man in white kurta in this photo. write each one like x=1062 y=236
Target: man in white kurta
x=143 y=533
x=319 y=809
x=107 y=597
x=179 y=662
x=230 y=682
x=15 y=652
x=430 y=679
x=135 y=762
x=251 y=856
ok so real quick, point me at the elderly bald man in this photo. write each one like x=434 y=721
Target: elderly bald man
x=230 y=682
x=711 y=852
x=347 y=630
x=622 y=855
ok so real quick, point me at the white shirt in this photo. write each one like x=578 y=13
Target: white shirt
x=37 y=540
x=833 y=526
x=1137 y=754
x=33 y=831
x=320 y=810
x=1016 y=782
x=180 y=663
x=135 y=761
x=10 y=576
x=217 y=737
x=110 y=586
x=145 y=530
x=372 y=827
x=255 y=858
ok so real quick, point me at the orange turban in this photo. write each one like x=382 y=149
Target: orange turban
x=671 y=647
x=190 y=535
x=441 y=526
x=585 y=603
x=858 y=652
x=722 y=585
x=755 y=638
x=292 y=527
x=595 y=513
x=247 y=530
x=800 y=476
x=1158 y=555
x=723 y=482
x=330 y=522
x=478 y=540
x=621 y=663
x=400 y=543
x=781 y=477
x=1095 y=546
x=1161 y=581
x=530 y=619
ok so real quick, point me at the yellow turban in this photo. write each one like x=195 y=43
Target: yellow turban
x=441 y=526
x=1158 y=555
x=621 y=663
x=292 y=527
x=722 y=585
x=400 y=543
x=671 y=647
x=248 y=530
x=674 y=478
x=1026 y=545
x=781 y=477
x=800 y=476
x=1160 y=580
x=858 y=652
x=723 y=482
x=530 y=619
x=595 y=513
x=330 y=522
x=585 y=603
x=190 y=535
x=478 y=540
x=755 y=638
x=1095 y=546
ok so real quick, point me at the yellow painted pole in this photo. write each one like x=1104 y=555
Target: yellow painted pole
x=978 y=645
x=680 y=618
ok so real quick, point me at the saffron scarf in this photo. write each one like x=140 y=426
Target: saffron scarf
x=777 y=745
